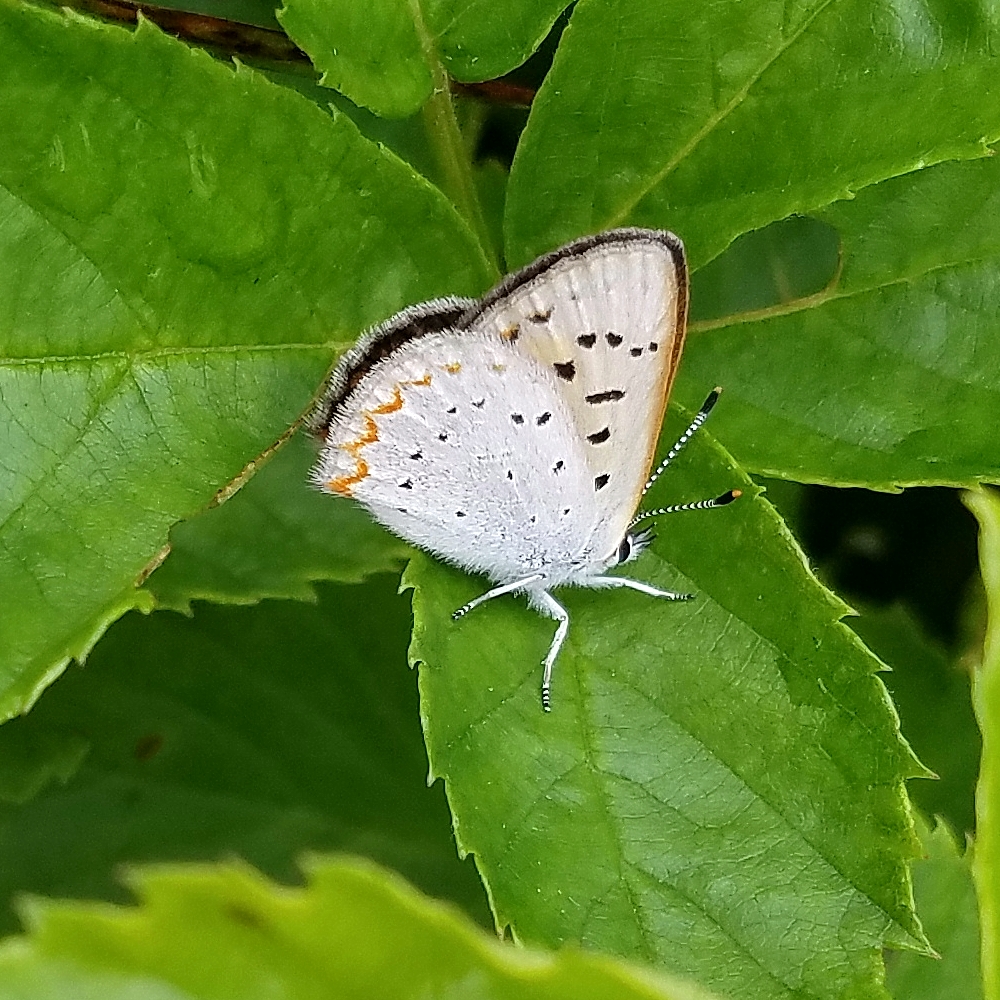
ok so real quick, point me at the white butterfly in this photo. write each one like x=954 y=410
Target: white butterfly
x=513 y=436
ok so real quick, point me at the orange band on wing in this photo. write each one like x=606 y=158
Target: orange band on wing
x=368 y=436
x=341 y=485
x=396 y=403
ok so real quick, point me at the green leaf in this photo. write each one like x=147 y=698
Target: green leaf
x=934 y=699
x=255 y=732
x=946 y=898
x=789 y=499
x=790 y=259
x=353 y=931
x=716 y=124
x=385 y=55
x=29 y=761
x=182 y=248
x=370 y=52
x=718 y=789
x=985 y=504
x=891 y=375
x=256 y=12
x=275 y=538
x=491 y=187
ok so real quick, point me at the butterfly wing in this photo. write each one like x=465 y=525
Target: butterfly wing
x=465 y=447
x=606 y=315
x=513 y=435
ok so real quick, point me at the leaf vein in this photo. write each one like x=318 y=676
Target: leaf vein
x=164 y=352
x=715 y=120
x=619 y=679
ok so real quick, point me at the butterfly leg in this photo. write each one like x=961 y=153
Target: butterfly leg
x=643 y=588
x=555 y=610
x=507 y=588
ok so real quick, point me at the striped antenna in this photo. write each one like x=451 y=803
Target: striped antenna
x=726 y=498
x=700 y=417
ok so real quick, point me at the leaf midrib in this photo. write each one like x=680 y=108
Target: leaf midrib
x=162 y=352
x=732 y=769
x=831 y=294
x=713 y=122
x=757 y=797
x=651 y=955
x=111 y=390
x=466 y=733
x=598 y=785
x=661 y=884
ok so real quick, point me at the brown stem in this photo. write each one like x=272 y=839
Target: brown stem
x=216 y=32
x=497 y=92
x=254 y=42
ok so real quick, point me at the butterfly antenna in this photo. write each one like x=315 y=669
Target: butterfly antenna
x=700 y=417
x=726 y=498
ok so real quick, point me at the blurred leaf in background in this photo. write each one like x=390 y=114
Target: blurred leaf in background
x=204 y=932
x=254 y=732
x=946 y=898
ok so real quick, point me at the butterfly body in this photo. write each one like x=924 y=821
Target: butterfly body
x=512 y=436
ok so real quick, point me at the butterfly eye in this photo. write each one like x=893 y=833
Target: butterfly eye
x=625 y=550
x=633 y=545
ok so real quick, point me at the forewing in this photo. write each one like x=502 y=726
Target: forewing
x=606 y=315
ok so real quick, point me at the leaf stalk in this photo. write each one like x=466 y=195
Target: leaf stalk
x=445 y=137
x=985 y=504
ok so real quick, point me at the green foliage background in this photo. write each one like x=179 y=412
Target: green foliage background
x=717 y=801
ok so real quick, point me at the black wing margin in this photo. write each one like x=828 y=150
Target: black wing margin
x=377 y=345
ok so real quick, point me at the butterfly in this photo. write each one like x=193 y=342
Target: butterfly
x=513 y=435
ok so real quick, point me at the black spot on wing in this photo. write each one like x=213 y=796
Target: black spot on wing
x=479 y=403
x=635 y=351
x=601 y=481
x=453 y=409
x=653 y=346
x=587 y=340
x=613 y=339
x=608 y=396
x=543 y=418
x=517 y=418
x=540 y=315
x=566 y=370
x=600 y=436
x=442 y=436
x=459 y=513
x=417 y=455
x=407 y=485
x=558 y=467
